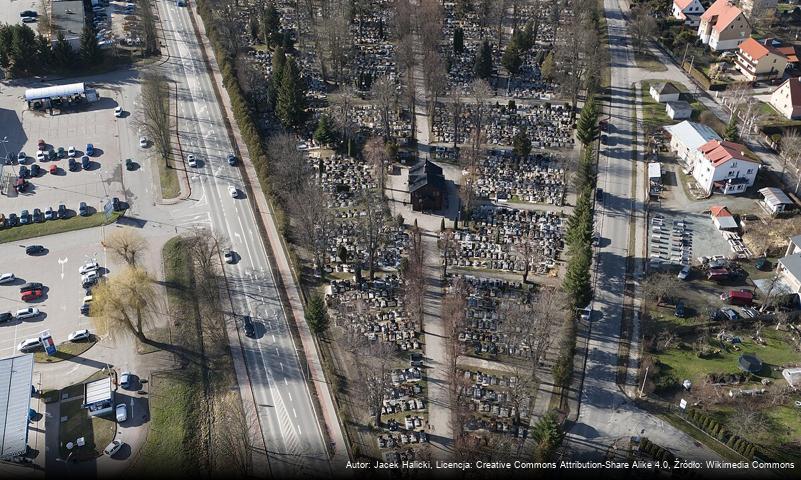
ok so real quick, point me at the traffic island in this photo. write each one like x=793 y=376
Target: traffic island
x=52 y=227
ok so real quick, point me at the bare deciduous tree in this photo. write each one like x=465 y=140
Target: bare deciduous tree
x=126 y=245
x=375 y=151
x=155 y=120
x=661 y=286
x=384 y=94
x=232 y=435
x=375 y=371
x=373 y=224
x=288 y=168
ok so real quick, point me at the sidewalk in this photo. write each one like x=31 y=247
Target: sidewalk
x=263 y=210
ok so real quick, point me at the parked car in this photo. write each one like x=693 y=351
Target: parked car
x=116 y=204
x=6 y=317
x=191 y=160
x=53 y=169
x=30 y=286
x=21 y=157
x=50 y=214
x=38 y=217
x=41 y=156
x=72 y=165
x=684 y=273
x=129 y=164
x=34 y=249
x=28 y=345
x=24 y=172
x=89 y=278
x=599 y=194
x=749 y=312
x=7 y=278
x=40 y=144
x=88 y=267
x=28 y=13
x=71 y=151
x=118 y=112
x=90 y=149
x=730 y=313
x=737 y=297
x=31 y=295
x=61 y=153
x=143 y=142
x=36 y=170
x=121 y=412
x=25 y=313
x=13 y=220
x=78 y=335
x=680 y=310
x=85 y=162
x=51 y=154
x=24 y=217
x=231 y=159
x=125 y=379
x=21 y=184
x=113 y=448
x=250 y=328
x=83 y=210
x=62 y=211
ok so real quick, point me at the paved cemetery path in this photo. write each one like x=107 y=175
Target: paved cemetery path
x=436 y=352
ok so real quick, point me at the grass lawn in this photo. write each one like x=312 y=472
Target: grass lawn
x=96 y=431
x=51 y=227
x=161 y=334
x=649 y=62
x=171 y=404
x=684 y=364
x=66 y=351
x=773 y=117
x=654 y=114
x=168 y=179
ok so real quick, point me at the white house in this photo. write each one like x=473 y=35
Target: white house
x=679 y=110
x=688 y=10
x=787 y=98
x=789 y=270
x=664 y=92
x=723 y=26
x=685 y=139
x=722 y=218
x=723 y=167
x=793 y=376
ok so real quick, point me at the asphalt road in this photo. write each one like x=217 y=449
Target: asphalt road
x=289 y=424
x=606 y=415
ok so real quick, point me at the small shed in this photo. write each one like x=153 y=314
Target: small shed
x=723 y=219
x=665 y=92
x=793 y=376
x=98 y=397
x=775 y=201
x=678 y=110
x=749 y=363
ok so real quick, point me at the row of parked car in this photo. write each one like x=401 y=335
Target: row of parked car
x=27 y=217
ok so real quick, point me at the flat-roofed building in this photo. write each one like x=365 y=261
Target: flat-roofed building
x=16 y=378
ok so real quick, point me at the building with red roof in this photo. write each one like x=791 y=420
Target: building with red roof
x=760 y=61
x=722 y=167
x=787 y=98
x=723 y=26
x=688 y=10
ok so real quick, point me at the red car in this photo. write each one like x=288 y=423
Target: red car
x=53 y=169
x=31 y=295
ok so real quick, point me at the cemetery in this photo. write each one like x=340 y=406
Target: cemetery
x=537 y=178
x=495 y=402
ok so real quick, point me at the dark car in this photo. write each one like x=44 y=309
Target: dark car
x=20 y=185
x=231 y=160
x=83 y=210
x=90 y=149
x=250 y=329
x=85 y=162
x=72 y=165
x=50 y=214
x=129 y=164
x=62 y=211
x=599 y=194
x=714 y=314
x=28 y=13
x=38 y=217
x=230 y=256
x=116 y=204
x=6 y=317
x=85 y=309
x=30 y=286
x=680 y=311
x=34 y=249
x=13 y=220
x=24 y=217
x=61 y=153
x=24 y=172
x=36 y=170
x=51 y=154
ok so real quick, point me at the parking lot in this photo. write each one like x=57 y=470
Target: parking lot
x=57 y=270
x=10 y=12
x=95 y=125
